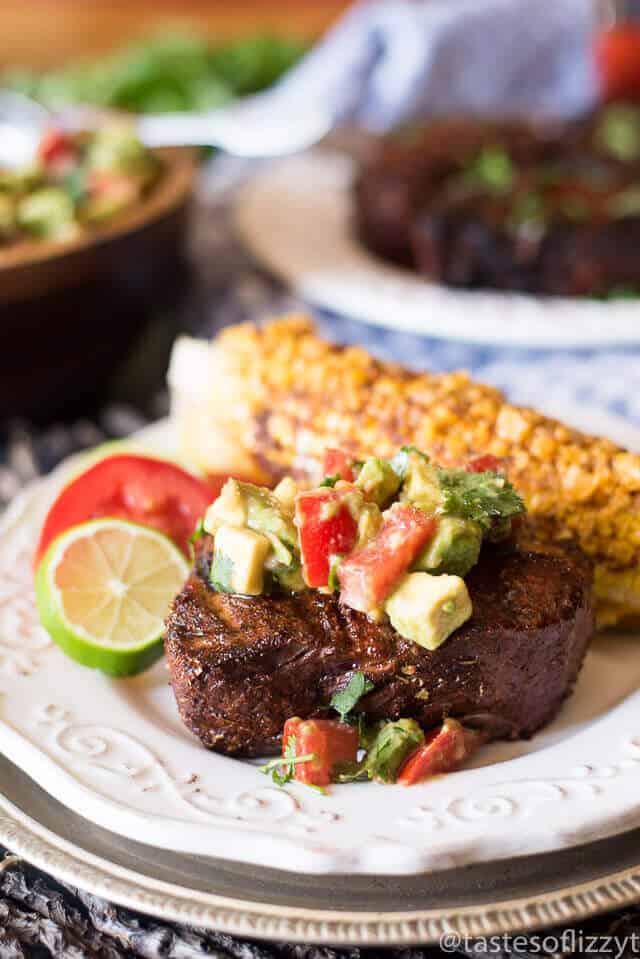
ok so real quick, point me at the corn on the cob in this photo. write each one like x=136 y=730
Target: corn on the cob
x=276 y=396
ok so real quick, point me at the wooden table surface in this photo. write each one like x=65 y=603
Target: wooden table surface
x=47 y=32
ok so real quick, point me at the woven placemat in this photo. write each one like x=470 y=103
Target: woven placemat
x=42 y=917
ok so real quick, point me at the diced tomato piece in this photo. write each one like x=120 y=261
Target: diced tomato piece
x=57 y=151
x=484 y=464
x=327 y=527
x=330 y=742
x=443 y=751
x=338 y=463
x=117 y=187
x=368 y=576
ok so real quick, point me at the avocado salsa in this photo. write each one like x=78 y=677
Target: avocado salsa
x=77 y=182
x=394 y=537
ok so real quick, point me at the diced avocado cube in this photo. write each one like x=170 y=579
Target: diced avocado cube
x=369 y=522
x=391 y=747
x=116 y=149
x=7 y=216
x=286 y=492
x=98 y=209
x=20 y=181
x=238 y=561
x=427 y=609
x=229 y=509
x=421 y=484
x=266 y=515
x=290 y=578
x=454 y=549
x=378 y=481
x=255 y=507
x=47 y=212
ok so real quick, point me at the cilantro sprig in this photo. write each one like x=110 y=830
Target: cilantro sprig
x=345 y=701
x=481 y=497
x=282 y=769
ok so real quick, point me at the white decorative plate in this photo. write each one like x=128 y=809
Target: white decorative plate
x=295 y=216
x=116 y=752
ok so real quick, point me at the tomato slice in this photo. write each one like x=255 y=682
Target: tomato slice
x=484 y=464
x=338 y=463
x=326 y=527
x=443 y=751
x=142 y=489
x=368 y=576
x=329 y=741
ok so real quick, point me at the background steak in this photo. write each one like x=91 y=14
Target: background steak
x=241 y=666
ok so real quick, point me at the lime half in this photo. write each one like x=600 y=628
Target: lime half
x=103 y=590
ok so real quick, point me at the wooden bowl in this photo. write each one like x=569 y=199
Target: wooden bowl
x=70 y=310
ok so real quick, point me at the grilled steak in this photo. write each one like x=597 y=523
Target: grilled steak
x=241 y=666
x=514 y=206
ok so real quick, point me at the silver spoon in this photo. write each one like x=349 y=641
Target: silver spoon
x=269 y=124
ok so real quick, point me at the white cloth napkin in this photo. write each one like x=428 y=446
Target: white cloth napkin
x=393 y=61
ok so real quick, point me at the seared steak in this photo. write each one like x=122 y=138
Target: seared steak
x=241 y=666
x=558 y=220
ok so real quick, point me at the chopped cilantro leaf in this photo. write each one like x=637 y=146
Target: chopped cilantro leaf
x=351 y=772
x=347 y=699
x=330 y=480
x=334 y=564
x=222 y=573
x=198 y=532
x=482 y=497
x=492 y=169
x=282 y=769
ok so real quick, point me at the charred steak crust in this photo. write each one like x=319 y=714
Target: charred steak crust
x=241 y=666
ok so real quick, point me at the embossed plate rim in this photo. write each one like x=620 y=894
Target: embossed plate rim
x=69 y=862
x=141 y=786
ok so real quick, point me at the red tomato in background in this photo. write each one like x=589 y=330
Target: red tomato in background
x=443 y=751
x=618 y=62
x=368 y=576
x=327 y=528
x=330 y=742
x=142 y=489
x=57 y=151
x=117 y=187
x=338 y=463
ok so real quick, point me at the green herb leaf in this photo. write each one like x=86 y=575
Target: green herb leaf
x=222 y=573
x=283 y=768
x=392 y=746
x=351 y=772
x=198 y=532
x=75 y=184
x=334 y=564
x=492 y=169
x=486 y=498
x=347 y=699
x=330 y=480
